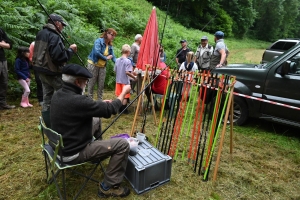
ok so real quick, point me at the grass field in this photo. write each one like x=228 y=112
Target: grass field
x=264 y=164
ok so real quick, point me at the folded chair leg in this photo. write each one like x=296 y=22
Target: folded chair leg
x=87 y=178
x=46 y=164
x=48 y=168
x=64 y=183
x=56 y=184
x=54 y=175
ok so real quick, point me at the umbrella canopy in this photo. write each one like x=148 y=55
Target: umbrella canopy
x=150 y=46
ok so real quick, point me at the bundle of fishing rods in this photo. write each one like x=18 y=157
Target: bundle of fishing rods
x=191 y=116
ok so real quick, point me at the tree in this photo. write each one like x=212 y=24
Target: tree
x=243 y=15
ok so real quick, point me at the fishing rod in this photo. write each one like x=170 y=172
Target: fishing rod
x=169 y=120
x=166 y=127
x=215 y=117
x=60 y=33
x=167 y=96
x=178 y=89
x=208 y=22
x=162 y=35
x=185 y=114
x=193 y=100
x=167 y=115
x=172 y=115
x=202 y=76
x=192 y=40
x=211 y=105
x=202 y=112
x=131 y=102
x=178 y=120
x=201 y=128
x=205 y=176
x=167 y=93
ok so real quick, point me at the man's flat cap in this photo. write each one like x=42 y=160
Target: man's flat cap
x=76 y=70
x=182 y=41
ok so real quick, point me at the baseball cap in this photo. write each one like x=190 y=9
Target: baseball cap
x=204 y=38
x=219 y=34
x=182 y=41
x=57 y=18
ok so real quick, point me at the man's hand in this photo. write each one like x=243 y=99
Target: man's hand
x=4 y=45
x=109 y=57
x=73 y=47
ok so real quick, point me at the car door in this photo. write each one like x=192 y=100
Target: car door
x=283 y=89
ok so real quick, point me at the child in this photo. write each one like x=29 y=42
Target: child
x=123 y=69
x=189 y=65
x=23 y=74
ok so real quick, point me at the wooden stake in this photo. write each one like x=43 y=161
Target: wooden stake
x=223 y=130
x=139 y=104
x=231 y=127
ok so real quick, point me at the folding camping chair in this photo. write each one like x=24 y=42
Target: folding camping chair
x=56 y=165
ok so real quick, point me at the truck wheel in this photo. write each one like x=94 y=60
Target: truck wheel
x=240 y=111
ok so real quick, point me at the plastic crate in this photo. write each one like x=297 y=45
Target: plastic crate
x=148 y=172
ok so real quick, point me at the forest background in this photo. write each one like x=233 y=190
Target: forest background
x=249 y=23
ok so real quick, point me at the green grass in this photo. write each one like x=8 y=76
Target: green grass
x=264 y=164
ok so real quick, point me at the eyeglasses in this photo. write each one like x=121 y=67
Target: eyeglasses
x=113 y=35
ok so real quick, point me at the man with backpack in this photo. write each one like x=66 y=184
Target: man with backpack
x=220 y=54
x=203 y=54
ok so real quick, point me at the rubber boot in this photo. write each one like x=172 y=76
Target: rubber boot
x=24 y=102
x=46 y=118
x=27 y=101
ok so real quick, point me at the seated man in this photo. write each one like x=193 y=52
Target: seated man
x=72 y=116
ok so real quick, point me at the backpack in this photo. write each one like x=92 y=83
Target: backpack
x=188 y=67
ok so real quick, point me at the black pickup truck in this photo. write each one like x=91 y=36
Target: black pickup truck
x=277 y=81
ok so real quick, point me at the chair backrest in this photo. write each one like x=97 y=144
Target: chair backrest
x=54 y=139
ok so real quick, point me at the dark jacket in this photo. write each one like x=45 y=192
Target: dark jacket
x=49 y=53
x=22 y=69
x=4 y=37
x=72 y=116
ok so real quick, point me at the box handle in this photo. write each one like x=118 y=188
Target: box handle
x=154 y=184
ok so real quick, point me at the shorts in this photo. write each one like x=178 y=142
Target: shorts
x=119 y=88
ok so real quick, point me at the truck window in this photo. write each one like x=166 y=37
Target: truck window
x=283 y=45
x=278 y=46
x=288 y=45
